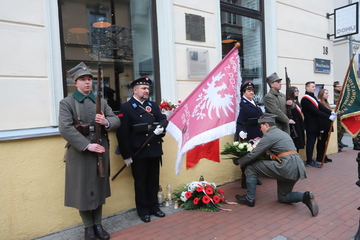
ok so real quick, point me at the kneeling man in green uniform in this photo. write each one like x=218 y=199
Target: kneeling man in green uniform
x=287 y=166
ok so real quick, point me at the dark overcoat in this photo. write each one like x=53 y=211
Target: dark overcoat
x=84 y=189
x=247 y=120
x=299 y=126
x=130 y=139
x=314 y=113
x=275 y=103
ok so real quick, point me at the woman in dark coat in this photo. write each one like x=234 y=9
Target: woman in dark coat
x=326 y=124
x=247 y=127
x=299 y=140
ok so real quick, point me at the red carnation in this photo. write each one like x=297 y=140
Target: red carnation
x=196 y=201
x=209 y=190
x=188 y=194
x=206 y=199
x=199 y=188
x=216 y=199
x=220 y=191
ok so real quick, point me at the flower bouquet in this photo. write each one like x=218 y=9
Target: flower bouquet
x=237 y=149
x=200 y=195
x=167 y=105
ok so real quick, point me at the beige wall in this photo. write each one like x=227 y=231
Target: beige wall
x=33 y=184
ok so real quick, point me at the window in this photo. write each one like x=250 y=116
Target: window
x=239 y=24
x=124 y=49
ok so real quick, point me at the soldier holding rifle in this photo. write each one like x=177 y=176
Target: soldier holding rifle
x=140 y=143
x=275 y=103
x=85 y=189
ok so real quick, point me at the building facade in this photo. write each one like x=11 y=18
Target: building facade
x=176 y=43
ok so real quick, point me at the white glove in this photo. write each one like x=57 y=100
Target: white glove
x=243 y=134
x=158 y=130
x=128 y=161
x=332 y=117
x=334 y=113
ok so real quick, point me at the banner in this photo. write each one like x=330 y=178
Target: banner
x=211 y=110
x=349 y=103
x=208 y=150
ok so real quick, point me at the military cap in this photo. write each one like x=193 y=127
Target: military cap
x=80 y=70
x=273 y=78
x=336 y=83
x=267 y=118
x=247 y=85
x=141 y=81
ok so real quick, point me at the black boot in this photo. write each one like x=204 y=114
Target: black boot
x=309 y=201
x=245 y=200
x=101 y=233
x=89 y=234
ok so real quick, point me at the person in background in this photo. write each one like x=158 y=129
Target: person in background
x=314 y=113
x=287 y=167
x=140 y=120
x=247 y=127
x=275 y=103
x=321 y=142
x=85 y=190
x=340 y=128
x=296 y=113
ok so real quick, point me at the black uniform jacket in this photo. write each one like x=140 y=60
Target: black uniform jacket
x=313 y=113
x=131 y=136
x=247 y=120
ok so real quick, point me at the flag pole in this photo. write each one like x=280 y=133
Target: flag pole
x=337 y=107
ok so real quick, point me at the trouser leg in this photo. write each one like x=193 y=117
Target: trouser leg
x=285 y=193
x=87 y=218
x=251 y=182
x=310 y=142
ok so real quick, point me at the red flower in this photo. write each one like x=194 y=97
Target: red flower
x=206 y=199
x=216 y=199
x=222 y=199
x=220 y=191
x=188 y=194
x=209 y=190
x=196 y=201
x=199 y=188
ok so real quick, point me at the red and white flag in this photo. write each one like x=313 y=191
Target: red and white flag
x=211 y=110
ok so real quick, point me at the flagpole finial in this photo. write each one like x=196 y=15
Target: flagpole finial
x=237 y=44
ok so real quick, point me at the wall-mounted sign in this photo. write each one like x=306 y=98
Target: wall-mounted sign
x=346 y=20
x=197 y=63
x=322 y=65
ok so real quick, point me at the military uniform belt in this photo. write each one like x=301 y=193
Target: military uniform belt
x=277 y=157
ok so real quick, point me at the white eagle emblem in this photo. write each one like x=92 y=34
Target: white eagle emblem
x=214 y=98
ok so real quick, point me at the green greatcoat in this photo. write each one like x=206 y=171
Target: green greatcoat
x=275 y=103
x=275 y=141
x=84 y=189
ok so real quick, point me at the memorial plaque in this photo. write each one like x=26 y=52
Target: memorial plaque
x=195 y=27
x=197 y=63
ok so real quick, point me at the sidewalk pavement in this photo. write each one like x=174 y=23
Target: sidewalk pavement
x=335 y=192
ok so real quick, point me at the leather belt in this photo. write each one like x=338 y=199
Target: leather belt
x=277 y=157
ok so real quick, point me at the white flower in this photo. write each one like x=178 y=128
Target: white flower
x=241 y=145
x=182 y=197
x=193 y=185
x=249 y=148
x=236 y=143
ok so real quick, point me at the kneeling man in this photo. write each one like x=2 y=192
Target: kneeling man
x=287 y=166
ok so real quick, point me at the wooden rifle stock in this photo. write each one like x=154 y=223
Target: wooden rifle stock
x=293 y=133
x=100 y=161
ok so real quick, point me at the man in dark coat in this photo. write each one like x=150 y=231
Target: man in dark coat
x=141 y=119
x=313 y=113
x=275 y=103
x=287 y=167
x=84 y=189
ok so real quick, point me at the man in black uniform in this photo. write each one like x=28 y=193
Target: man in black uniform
x=141 y=119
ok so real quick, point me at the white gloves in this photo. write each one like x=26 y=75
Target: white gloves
x=243 y=134
x=333 y=116
x=158 y=130
x=128 y=161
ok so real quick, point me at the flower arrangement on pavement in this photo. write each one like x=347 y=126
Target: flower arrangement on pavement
x=200 y=195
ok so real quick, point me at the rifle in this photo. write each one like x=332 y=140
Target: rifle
x=293 y=133
x=100 y=161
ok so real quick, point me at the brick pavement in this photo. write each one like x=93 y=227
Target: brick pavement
x=333 y=185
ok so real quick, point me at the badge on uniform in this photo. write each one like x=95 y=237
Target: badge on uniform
x=148 y=108
x=134 y=105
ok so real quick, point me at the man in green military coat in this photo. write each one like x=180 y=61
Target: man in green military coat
x=84 y=189
x=287 y=166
